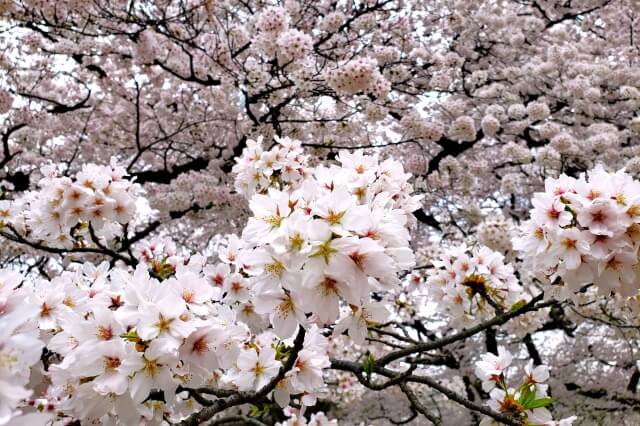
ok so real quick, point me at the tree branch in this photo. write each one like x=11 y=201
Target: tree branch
x=495 y=321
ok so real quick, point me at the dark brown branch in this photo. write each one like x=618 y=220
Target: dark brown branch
x=166 y=176
x=450 y=148
x=7 y=156
x=495 y=321
x=417 y=405
x=427 y=219
x=491 y=344
x=58 y=107
x=17 y=238
x=633 y=381
x=533 y=351
x=210 y=81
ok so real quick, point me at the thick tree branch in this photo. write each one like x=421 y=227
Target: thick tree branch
x=166 y=176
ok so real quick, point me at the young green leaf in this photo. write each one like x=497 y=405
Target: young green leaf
x=368 y=365
x=539 y=403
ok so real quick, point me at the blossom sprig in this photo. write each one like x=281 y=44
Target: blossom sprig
x=131 y=347
x=323 y=244
x=471 y=284
x=258 y=169
x=65 y=210
x=124 y=346
x=527 y=403
x=359 y=75
x=121 y=336
x=161 y=256
x=584 y=231
x=260 y=362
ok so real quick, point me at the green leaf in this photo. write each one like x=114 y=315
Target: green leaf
x=259 y=410
x=130 y=336
x=255 y=410
x=368 y=365
x=518 y=305
x=282 y=351
x=527 y=396
x=539 y=403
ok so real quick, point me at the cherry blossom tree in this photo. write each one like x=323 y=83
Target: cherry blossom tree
x=319 y=212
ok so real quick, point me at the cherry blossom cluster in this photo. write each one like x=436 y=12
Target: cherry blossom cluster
x=463 y=129
x=20 y=349
x=6 y=100
x=130 y=345
x=260 y=362
x=490 y=125
x=281 y=166
x=93 y=204
x=273 y=20
x=294 y=45
x=496 y=233
x=470 y=284
x=331 y=22
x=275 y=38
x=121 y=335
x=525 y=404
x=186 y=190
x=339 y=235
x=416 y=126
x=586 y=230
x=161 y=256
x=359 y=75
